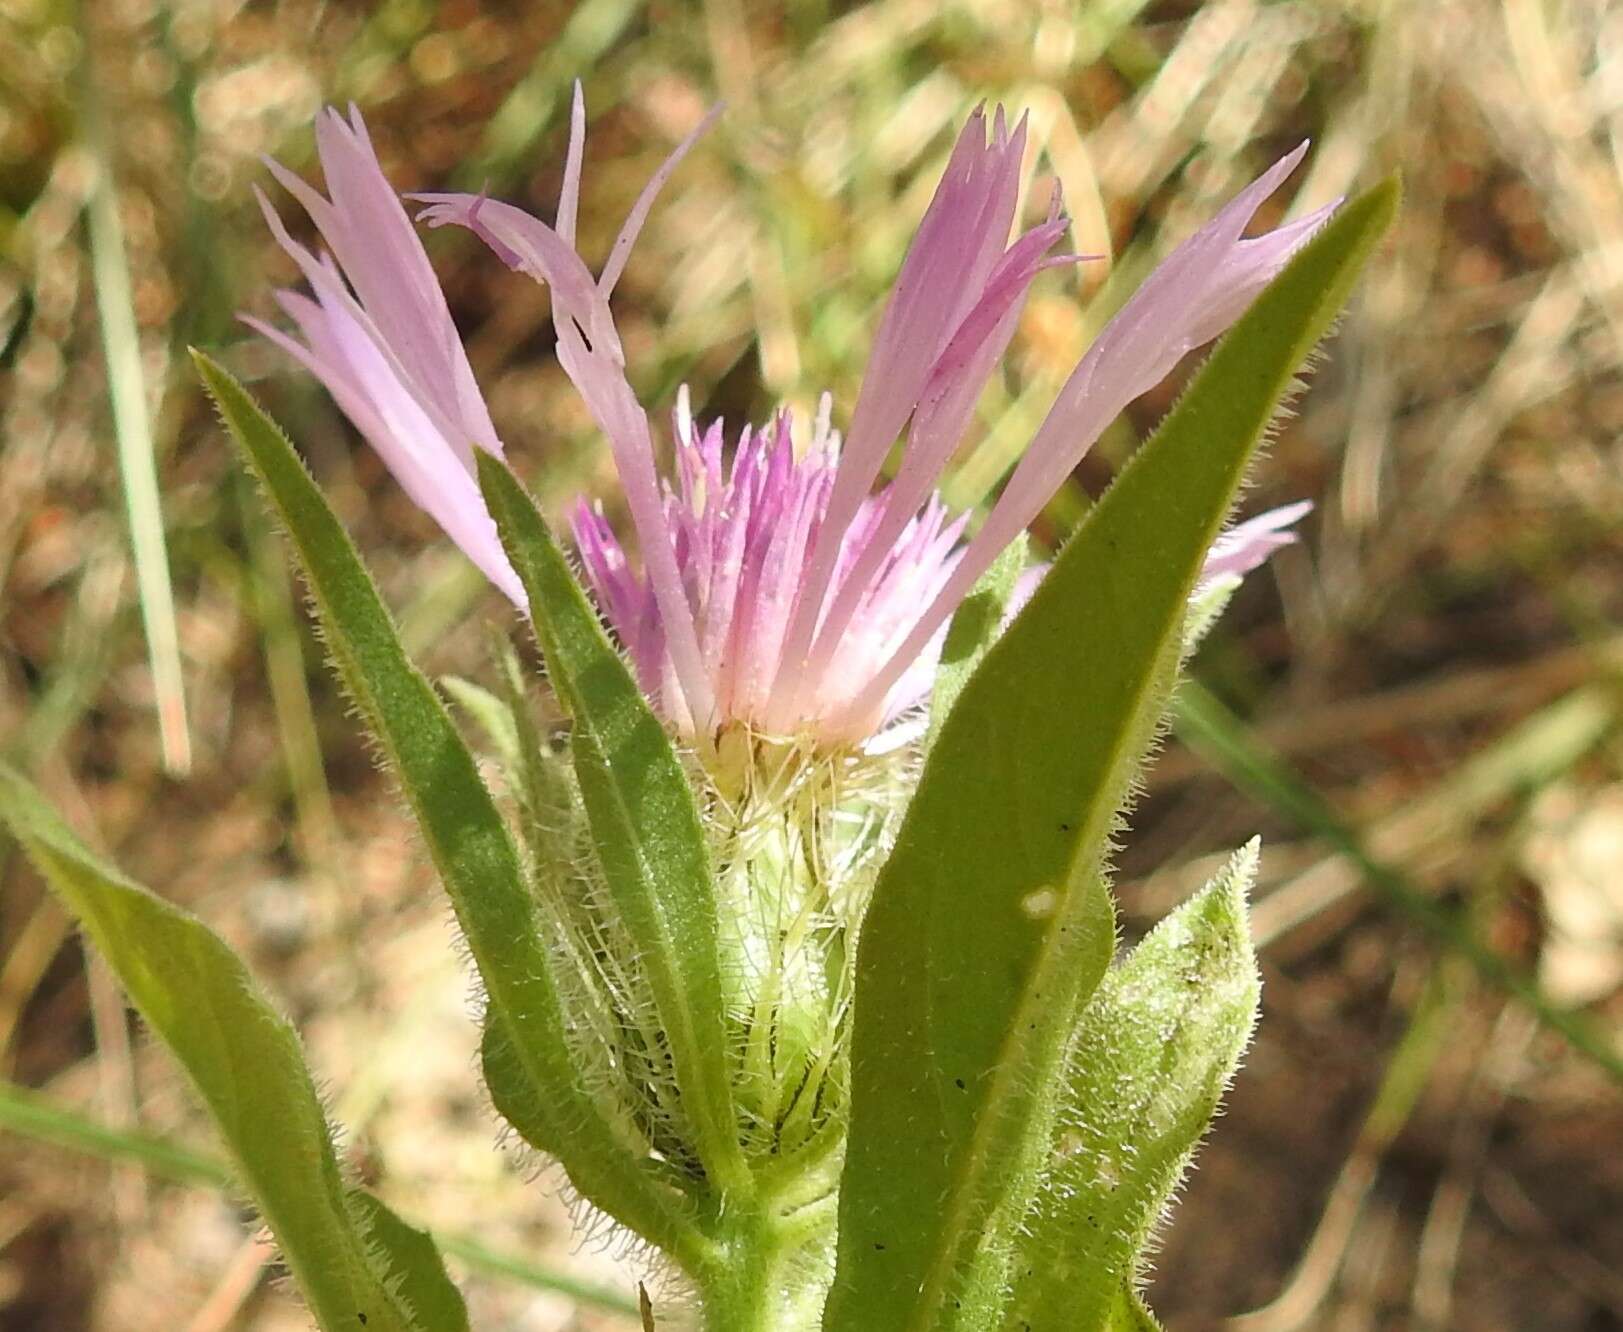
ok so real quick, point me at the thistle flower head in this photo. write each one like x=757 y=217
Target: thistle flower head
x=778 y=592
x=742 y=532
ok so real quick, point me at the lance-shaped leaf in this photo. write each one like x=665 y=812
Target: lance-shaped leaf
x=1155 y=1047
x=356 y=1264
x=413 y=1261
x=990 y=922
x=644 y=824
x=464 y=833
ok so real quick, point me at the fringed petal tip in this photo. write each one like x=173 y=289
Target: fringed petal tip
x=380 y=337
x=1193 y=296
x=1247 y=546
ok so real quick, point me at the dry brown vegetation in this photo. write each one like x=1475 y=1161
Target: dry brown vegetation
x=1409 y=1146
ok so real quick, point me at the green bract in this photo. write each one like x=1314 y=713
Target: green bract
x=1149 y=1058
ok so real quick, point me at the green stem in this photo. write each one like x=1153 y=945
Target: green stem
x=773 y=1272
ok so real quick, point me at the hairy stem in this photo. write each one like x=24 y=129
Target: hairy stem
x=773 y=1271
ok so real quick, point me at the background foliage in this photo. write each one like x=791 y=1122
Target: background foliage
x=1428 y=690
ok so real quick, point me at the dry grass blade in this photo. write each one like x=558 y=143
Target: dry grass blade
x=1437 y=1259
x=1331 y=1247
x=1543 y=748
x=128 y=394
x=1205 y=723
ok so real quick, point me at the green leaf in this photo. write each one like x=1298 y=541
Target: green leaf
x=489 y=713
x=975 y=627
x=643 y=820
x=462 y=828
x=1153 y=1051
x=244 y=1060
x=990 y=922
x=412 y=1259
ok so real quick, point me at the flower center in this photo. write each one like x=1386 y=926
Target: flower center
x=742 y=532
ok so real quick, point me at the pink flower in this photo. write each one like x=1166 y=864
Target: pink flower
x=779 y=591
x=385 y=345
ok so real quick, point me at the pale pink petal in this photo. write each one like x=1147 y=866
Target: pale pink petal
x=1247 y=545
x=776 y=590
x=600 y=379
x=389 y=353
x=375 y=244
x=1214 y=275
x=530 y=246
x=569 y=195
x=1249 y=267
x=589 y=352
x=621 y=250
x=956 y=382
x=346 y=360
x=943 y=275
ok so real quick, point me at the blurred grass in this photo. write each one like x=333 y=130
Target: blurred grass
x=28 y=1114
x=1418 y=662
x=132 y=427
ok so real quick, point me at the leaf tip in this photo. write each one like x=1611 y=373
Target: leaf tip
x=207 y=366
x=1225 y=902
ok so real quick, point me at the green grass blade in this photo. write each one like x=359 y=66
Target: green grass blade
x=515 y=1267
x=644 y=823
x=460 y=824
x=241 y=1056
x=30 y=1115
x=512 y=133
x=1215 y=732
x=1152 y=1053
x=990 y=922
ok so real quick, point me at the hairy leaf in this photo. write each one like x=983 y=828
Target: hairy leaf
x=245 y=1062
x=1155 y=1047
x=463 y=830
x=991 y=923
x=413 y=1262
